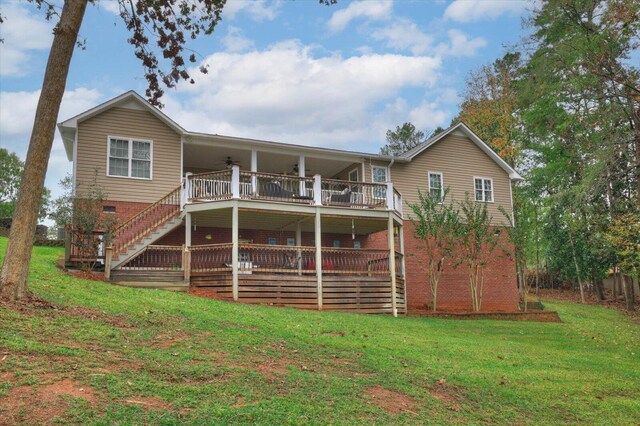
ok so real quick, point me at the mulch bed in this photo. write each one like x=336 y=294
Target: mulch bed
x=538 y=316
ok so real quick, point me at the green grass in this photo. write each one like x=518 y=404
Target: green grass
x=209 y=362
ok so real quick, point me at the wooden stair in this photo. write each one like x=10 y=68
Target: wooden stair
x=165 y=280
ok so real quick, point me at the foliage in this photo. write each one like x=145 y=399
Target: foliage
x=478 y=240
x=193 y=360
x=489 y=105
x=61 y=209
x=403 y=139
x=436 y=225
x=89 y=222
x=11 y=169
x=624 y=237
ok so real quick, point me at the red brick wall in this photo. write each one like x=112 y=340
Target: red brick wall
x=125 y=210
x=500 y=288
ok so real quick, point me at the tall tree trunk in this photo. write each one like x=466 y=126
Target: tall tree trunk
x=598 y=286
x=575 y=262
x=629 y=297
x=15 y=269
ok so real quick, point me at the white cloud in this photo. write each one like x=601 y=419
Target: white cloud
x=234 y=41
x=17 y=112
x=257 y=10
x=460 y=44
x=111 y=6
x=476 y=10
x=23 y=32
x=298 y=97
x=404 y=34
x=373 y=10
x=428 y=115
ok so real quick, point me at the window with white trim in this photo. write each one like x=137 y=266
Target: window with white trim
x=353 y=175
x=436 y=188
x=379 y=175
x=483 y=189
x=129 y=158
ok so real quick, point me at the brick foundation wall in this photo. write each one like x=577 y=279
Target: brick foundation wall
x=500 y=288
x=125 y=210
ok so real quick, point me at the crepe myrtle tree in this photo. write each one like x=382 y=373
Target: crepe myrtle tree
x=478 y=240
x=436 y=225
x=159 y=30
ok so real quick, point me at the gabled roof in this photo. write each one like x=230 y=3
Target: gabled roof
x=131 y=99
x=412 y=153
x=68 y=127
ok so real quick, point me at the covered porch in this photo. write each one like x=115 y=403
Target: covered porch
x=307 y=258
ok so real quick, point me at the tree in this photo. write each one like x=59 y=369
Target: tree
x=403 y=139
x=624 y=237
x=11 y=169
x=171 y=23
x=61 y=209
x=436 y=225
x=489 y=105
x=478 y=240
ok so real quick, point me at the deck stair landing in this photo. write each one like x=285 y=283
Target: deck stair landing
x=165 y=280
x=158 y=233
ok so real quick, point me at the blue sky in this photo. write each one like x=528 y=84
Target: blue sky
x=289 y=71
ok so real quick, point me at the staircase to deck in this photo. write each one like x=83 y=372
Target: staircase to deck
x=144 y=228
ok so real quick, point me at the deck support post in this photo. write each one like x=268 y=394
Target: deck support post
x=403 y=269
x=317 y=190
x=187 y=229
x=389 y=195
x=108 y=255
x=318 y=235
x=235 y=181
x=254 y=169
x=301 y=173
x=392 y=264
x=234 y=250
x=186 y=263
x=299 y=243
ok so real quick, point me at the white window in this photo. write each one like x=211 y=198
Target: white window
x=379 y=175
x=483 y=189
x=291 y=242
x=436 y=188
x=129 y=158
x=353 y=175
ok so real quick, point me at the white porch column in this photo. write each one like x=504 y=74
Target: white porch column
x=392 y=265
x=234 y=250
x=301 y=173
x=235 y=181
x=402 y=262
x=390 y=195
x=318 y=235
x=254 y=169
x=299 y=243
x=317 y=190
x=185 y=190
x=187 y=230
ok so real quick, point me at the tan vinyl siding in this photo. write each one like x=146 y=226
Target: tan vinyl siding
x=459 y=160
x=344 y=174
x=128 y=123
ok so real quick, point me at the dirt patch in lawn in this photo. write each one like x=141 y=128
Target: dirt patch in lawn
x=451 y=396
x=273 y=368
x=393 y=402
x=33 y=305
x=168 y=340
x=87 y=275
x=42 y=404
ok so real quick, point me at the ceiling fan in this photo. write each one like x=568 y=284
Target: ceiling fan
x=296 y=169
x=230 y=162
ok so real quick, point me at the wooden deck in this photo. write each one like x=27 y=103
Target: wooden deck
x=359 y=294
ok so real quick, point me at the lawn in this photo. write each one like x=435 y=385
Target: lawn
x=115 y=355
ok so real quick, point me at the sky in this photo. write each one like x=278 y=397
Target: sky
x=289 y=71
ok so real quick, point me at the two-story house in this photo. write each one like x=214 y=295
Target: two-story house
x=266 y=222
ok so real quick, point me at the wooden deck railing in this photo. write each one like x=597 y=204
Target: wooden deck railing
x=143 y=223
x=314 y=190
x=281 y=259
x=157 y=258
x=355 y=261
x=211 y=257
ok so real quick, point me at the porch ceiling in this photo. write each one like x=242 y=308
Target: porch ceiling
x=202 y=158
x=271 y=221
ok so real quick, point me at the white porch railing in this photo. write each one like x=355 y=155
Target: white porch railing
x=228 y=184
